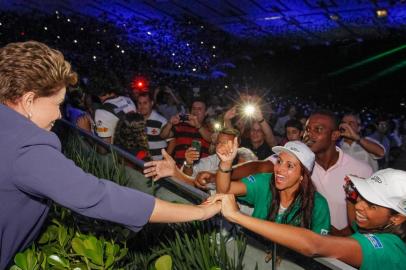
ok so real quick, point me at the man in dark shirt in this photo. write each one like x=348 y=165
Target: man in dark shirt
x=257 y=142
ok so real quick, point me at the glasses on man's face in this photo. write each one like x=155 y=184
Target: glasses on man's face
x=351 y=193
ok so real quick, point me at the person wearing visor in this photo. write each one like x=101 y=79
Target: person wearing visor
x=379 y=235
x=286 y=196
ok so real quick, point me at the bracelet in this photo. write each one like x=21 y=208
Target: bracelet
x=225 y=171
x=260 y=121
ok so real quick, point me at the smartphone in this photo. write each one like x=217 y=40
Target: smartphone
x=196 y=145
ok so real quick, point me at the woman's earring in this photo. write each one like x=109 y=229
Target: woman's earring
x=29 y=115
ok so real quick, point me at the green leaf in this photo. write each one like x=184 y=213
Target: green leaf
x=58 y=262
x=62 y=236
x=78 y=246
x=26 y=260
x=164 y=263
x=215 y=268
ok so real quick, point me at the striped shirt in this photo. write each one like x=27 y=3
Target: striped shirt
x=154 y=124
x=184 y=135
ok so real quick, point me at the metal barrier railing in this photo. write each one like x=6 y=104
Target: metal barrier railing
x=191 y=192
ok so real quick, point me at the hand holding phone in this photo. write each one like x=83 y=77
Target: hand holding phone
x=196 y=144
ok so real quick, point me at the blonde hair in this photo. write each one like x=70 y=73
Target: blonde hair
x=32 y=66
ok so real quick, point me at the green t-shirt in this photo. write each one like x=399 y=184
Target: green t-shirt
x=259 y=195
x=381 y=251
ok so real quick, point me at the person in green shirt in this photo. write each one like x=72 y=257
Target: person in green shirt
x=287 y=196
x=379 y=241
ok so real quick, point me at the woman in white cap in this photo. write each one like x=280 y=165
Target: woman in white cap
x=379 y=235
x=287 y=196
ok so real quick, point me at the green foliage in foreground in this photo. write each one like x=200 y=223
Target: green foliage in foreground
x=71 y=241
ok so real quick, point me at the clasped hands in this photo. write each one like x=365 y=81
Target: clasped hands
x=229 y=208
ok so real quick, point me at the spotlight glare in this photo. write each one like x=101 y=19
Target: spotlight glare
x=381 y=13
x=94 y=57
x=75 y=41
x=68 y=20
x=149 y=33
x=249 y=109
x=118 y=46
x=122 y=51
x=194 y=69
x=217 y=126
x=45 y=28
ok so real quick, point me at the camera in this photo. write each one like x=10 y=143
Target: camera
x=184 y=117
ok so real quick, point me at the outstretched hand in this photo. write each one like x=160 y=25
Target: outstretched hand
x=228 y=152
x=158 y=169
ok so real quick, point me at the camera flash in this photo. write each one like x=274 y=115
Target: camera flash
x=249 y=109
x=217 y=126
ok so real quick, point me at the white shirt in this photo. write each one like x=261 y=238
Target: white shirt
x=207 y=164
x=154 y=125
x=330 y=184
x=106 y=121
x=358 y=152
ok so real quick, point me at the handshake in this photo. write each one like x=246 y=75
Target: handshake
x=224 y=203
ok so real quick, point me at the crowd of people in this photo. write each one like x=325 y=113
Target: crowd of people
x=317 y=176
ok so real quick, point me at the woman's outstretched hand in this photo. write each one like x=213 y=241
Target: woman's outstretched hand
x=158 y=169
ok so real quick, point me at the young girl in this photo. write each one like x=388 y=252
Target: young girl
x=286 y=196
x=380 y=227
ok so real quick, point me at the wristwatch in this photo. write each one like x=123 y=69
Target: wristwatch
x=186 y=165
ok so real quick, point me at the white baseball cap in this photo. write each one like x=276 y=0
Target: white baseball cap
x=385 y=188
x=300 y=150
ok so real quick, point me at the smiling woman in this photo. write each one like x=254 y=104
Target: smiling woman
x=34 y=172
x=287 y=196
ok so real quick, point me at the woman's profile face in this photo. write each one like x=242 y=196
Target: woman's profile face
x=371 y=216
x=287 y=172
x=46 y=110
